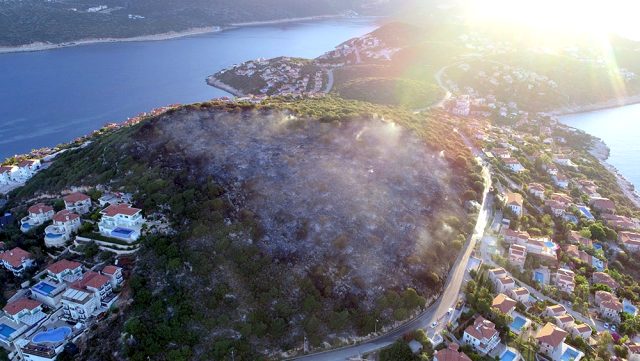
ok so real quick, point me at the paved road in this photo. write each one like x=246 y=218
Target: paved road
x=434 y=312
x=329 y=81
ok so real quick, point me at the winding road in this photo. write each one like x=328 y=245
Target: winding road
x=435 y=311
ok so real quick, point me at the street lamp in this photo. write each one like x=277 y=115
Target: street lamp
x=375 y=328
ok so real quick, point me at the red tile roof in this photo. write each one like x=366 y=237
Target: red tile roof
x=26 y=163
x=13 y=308
x=5 y=169
x=551 y=335
x=75 y=197
x=605 y=279
x=115 y=209
x=503 y=303
x=15 y=256
x=91 y=279
x=40 y=208
x=63 y=265
x=482 y=329
x=65 y=216
x=451 y=353
x=110 y=270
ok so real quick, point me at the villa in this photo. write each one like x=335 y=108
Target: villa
x=609 y=305
x=7 y=174
x=85 y=296
x=450 y=353
x=551 y=342
x=630 y=240
x=64 y=224
x=482 y=336
x=514 y=165
x=511 y=236
x=581 y=330
x=565 y=322
x=565 y=280
x=65 y=271
x=121 y=221
x=576 y=238
x=38 y=214
x=115 y=275
x=537 y=190
x=24 y=310
x=557 y=208
x=514 y=203
x=26 y=169
x=619 y=223
x=517 y=255
x=604 y=205
x=555 y=311
x=605 y=279
x=17 y=261
x=114 y=198
x=77 y=203
x=542 y=247
x=504 y=304
x=561 y=181
x=520 y=294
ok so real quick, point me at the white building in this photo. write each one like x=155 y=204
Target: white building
x=65 y=271
x=7 y=174
x=115 y=275
x=17 y=261
x=515 y=203
x=482 y=336
x=77 y=203
x=121 y=221
x=65 y=223
x=86 y=296
x=38 y=215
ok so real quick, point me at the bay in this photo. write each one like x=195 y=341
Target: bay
x=53 y=96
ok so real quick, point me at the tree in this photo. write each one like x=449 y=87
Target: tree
x=399 y=351
x=602 y=347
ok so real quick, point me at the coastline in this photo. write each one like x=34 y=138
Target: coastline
x=601 y=152
x=214 y=82
x=613 y=103
x=40 y=46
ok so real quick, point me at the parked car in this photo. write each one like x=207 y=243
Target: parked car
x=606 y=325
x=434 y=324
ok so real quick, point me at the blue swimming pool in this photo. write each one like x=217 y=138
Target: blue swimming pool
x=538 y=277
x=550 y=244
x=518 y=323
x=122 y=232
x=508 y=355
x=586 y=212
x=52 y=336
x=26 y=225
x=53 y=235
x=43 y=288
x=597 y=246
x=570 y=354
x=6 y=331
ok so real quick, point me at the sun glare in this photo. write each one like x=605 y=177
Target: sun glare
x=566 y=15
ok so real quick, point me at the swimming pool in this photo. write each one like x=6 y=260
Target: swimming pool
x=43 y=288
x=52 y=336
x=550 y=244
x=538 y=277
x=54 y=235
x=6 y=331
x=597 y=246
x=518 y=323
x=586 y=212
x=508 y=355
x=122 y=232
x=569 y=354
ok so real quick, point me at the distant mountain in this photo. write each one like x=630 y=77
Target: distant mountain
x=29 y=21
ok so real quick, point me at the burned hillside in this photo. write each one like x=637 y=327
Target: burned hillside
x=292 y=217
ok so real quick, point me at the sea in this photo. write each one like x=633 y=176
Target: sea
x=619 y=128
x=53 y=96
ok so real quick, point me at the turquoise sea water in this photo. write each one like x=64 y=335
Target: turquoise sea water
x=53 y=96
x=619 y=128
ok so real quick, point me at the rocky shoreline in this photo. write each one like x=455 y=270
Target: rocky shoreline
x=215 y=82
x=601 y=152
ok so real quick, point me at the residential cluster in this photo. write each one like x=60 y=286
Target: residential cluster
x=64 y=301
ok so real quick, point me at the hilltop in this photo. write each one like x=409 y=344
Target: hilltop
x=290 y=215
